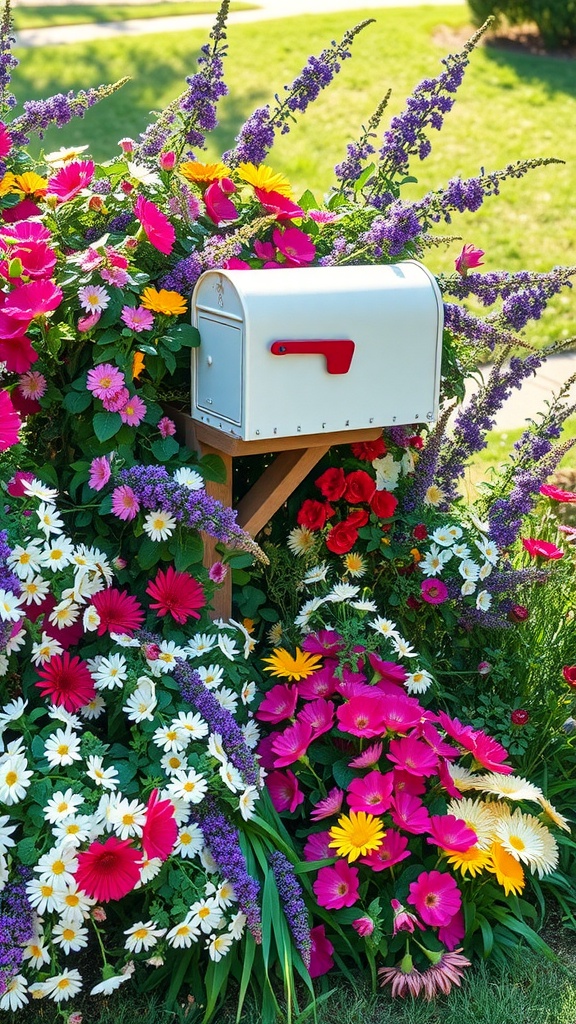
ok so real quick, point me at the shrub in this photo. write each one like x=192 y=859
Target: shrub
x=555 y=19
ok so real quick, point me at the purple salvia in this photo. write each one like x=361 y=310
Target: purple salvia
x=427 y=464
x=256 y=136
x=183 y=276
x=474 y=330
x=489 y=287
x=58 y=110
x=290 y=893
x=358 y=152
x=7 y=61
x=16 y=926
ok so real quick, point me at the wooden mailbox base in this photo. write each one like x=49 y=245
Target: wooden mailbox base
x=296 y=457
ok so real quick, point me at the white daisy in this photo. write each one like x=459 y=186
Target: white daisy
x=57 y=867
x=205 y=914
x=489 y=549
x=227 y=699
x=111 y=672
x=316 y=575
x=200 y=644
x=227 y=646
x=189 y=478
x=467 y=588
x=207 y=861
x=237 y=926
x=159 y=525
x=189 y=785
x=434 y=560
x=248 y=693
x=218 y=945
x=141 y=704
x=190 y=841
x=49 y=519
x=36 y=489
x=401 y=647
x=109 y=985
x=211 y=676
x=231 y=776
x=483 y=601
x=33 y=591
x=62 y=805
x=247 y=802
x=90 y=619
x=36 y=952
x=14 y=779
x=387 y=472
x=223 y=893
x=173 y=762
x=461 y=551
x=15 y=994
x=418 y=681
x=364 y=605
x=24 y=560
x=128 y=818
x=76 y=830
x=166 y=660
x=143 y=935
x=15 y=642
x=384 y=626
x=12 y=711
x=251 y=733
x=300 y=541
x=215 y=747
x=63 y=986
x=64 y=614
x=58 y=554
x=6 y=831
x=142 y=174
x=9 y=610
x=73 y=904
x=149 y=868
x=183 y=935
x=62 y=748
x=169 y=737
x=443 y=536
x=41 y=895
x=94 y=708
x=70 y=935
x=191 y=724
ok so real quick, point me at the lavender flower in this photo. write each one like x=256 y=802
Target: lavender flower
x=7 y=61
x=223 y=841
x=290 y=893
x=219 y=721
x=59 y=110
x=8 y=581
x=16 y=926
x=358 y=152
x=487 y=288
x=183 y=275
x=427 y=464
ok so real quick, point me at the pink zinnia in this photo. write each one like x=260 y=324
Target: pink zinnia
x=158 y=229
x=321 y=950
x=104 y=380
x=316 y=846
x=337 y=886
x=119 y=612
x=116 y=400
x=392 y=850
x=319 y=715
x=373 y=793
x=451 y=833
x=125 y=504
x=436 y=897
x=295 y=245
x=331 y=804
x=99 y=473
x=160 y=829
x=67 y=682
x=285 y=793
x=278 y=704
x=362 y=716
x=218 y=572
x=133 y=412
x=32 y=384
x=177 y=594
x=413 y=755
x=35 y=298
x=71 y=179
x=166 y=427
x=434 y=591
x=541 y=548
x=409 y=813
x=369 y=757
x=10 y=422
x=108 y=871
x=292 y=744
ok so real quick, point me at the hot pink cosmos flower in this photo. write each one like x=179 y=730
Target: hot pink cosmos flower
x=387 y=671
x=429 y=733
x=541 y=548
x=104 y=380
x=323 y=641
x=452 y=933
x=110 y=870
x=10 y=422
x=218 y=206
x=392 y=850
x=16 y=352
x=321 y=950
x=362 y=716
x=291 y=744
x=436 y=897
x=319 y=715
x=451 y=833
x=295 y=245
x=556 y=494
x=133 y=412
x=5 y=141
x=158 y=229
x=446 y=779
x=372 y=793
x=369 y=757
x=433 y=591
x=99 y=473
x=337 y=886
x=285 y=793
x=37 y=258
x=281 y=206
x=160 y=830
x=15 y=486
x=70 y=179
x=35 y=298
x=235 y=264
x=402 y=713
x=26 y=208
x=409 y=813
x=125 y=504
x=278 y=704
x=331 y=804
x=413 y=756
x=487 y=752
x=316 y=846
x=469 y=258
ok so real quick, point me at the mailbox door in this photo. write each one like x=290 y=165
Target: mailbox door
x=218 y=378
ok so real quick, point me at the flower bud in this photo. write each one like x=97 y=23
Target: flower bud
x=364 y=926
x=569 y=673
x=99 y=914
x=127 y=187
x=518 y=613
x=519 y=716
x=126 y=145
x=167 y=161
x=484 y=668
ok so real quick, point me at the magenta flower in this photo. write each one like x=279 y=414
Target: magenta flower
x=362 y=716
x=409 y=813
x=428 y=732
x=116 y=400
x=387 y=671
x=364 y=926
x=218 y=572
x=451 y=934
x=99 y=473
x=316 y=846
x=166 y=427
x=86 y=323
x=295 y=245
x=281 y=206
x=392 y=850
x=372 y=793
x=323 y=641
x=10 y=422
x=321 y=950
x=402 y=713
x=319 y=684
x=218 y=206
x=433 y=591
x=541 y=548
x=278 y=704
x=413 y=755
x=292 y=744
x=70 y=180
x=285 y=793
x=14 y=487
x=114 y=275
x=5 y=141
x=337 y=886
x=137 y=319
x=133 y=412
x=36 y=298
x=369 y=757
x=556 y=494
x=319 y=715
x=469 y=259
x=104 y=380
x=451 y=833
x=157 y=227
x=436 y=897
x=125 y=504
x=404 y=920
x=331 y=804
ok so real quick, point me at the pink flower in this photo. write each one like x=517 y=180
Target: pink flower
x=372 y=793
x=323 y=641
x=337 y=886
x=160 y=830
x=99 y=473
x=291 y=744
x=105 y=380
x=320 y=952
x=125 y=504
x=274 y=202
x=133 y=412
x=235 y=264
x=362 y=716
x=36 y=298
x=409 y=813
x=319 y=715
x=319 y=684
x=32 y=384
x=316 y=846
x=10 y=422
x=278 y=704
x=556 y=494
x=167 y=161
x=404 y=978
x=402 y=713
x=116 y=400
x=541 y=548
x=428 y=732
x=434 y=591
x=166 y=427
x=86 y=323
x=440 y=976
x=126 y=145
x=114 y=275
x=138 y=319
x=295 y=245
x=469 y=259
x=71 y=179
x=218 y=572
x=15 y=488
x=404 y=921
x=413 y=756
x=451 y=833
x=452 y=933
x=285 y=793
x=369 y=757
x=364 y=926
x=331 y=804
x=387 y=671
x=486 y=751
x=5 y=141
x=157 y=227
x=392 y=850
x=436 y=897
x=218 y=207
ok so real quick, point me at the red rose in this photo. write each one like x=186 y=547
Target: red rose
x=518 y=613
x=359 y=487
x=367 y=451
x=415 y=442
x=383 y=504
x=332 y=483
x=313 y=514
x=519 y=717
x=358 y=517
x=420 y=532
x=342 y=538
x=569 y=673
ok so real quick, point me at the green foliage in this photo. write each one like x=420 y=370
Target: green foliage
x=555 y=19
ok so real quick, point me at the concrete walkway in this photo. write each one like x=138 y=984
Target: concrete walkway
x=522 y=405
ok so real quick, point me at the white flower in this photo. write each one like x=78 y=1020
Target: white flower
x=142 y=702
x=93 y=298
x=16 y=641
x=58 y=554
x=469 y=570
x=342 y=592
x=481 y=524
x=237 y=926
x=94 y=708
x=9 y=610
x=227 y=646
x=461 y=551
x=205 y=914
x=247 y=693
x=200 y=644
x=443 y=536
x=189 y=785
x=24 y=561
x=45 y=649
x=191 y=724
x=316 y=575
x=189 y=478
x=128 y=818
x=143 y=935
x=169 y=737
x=230 y=776
x=62 y=805
x=14 y=779
x=489 y=549
x=387 y=472
x=36 y=952
x=111 y=672
x=190 y=841
x=307 y=610
x=70 y=935
x=90 y=619
x=251 y=733
x=174 y=762
x=485 y=571
x=483 y=601
x=41 y=895
x=218 y=945
x=418 y=681
x=224 y=893
x=33 y=591
x=36 y=489
x=49 y=519
x=73 y=904
x=142 y=174
x=401 y=647
x=183 y=934
x=62 y=747
x=109 y=985
x=454 y=531
x=364 y=605
x=159 y=525
x=63 y=986
x=207 y=861
x=12 y=711
x=227 y=699
x=247 y=802
x=15 y=993
x=384 y=626
x=64 y=614
x=6 y=831
x=148 y=870
x=300 y=541
x=211 y=676
x=434 y=560
x=74 y=830
x=4 y=663
x=467 y=588
x=166 y=660
x=57 y=867
x=215 y=747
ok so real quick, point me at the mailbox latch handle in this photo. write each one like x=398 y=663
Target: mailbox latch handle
x=338 y=353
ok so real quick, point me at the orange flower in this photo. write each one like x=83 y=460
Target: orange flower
x=163 y=301
x=200 y=173
x=31 y=184
x=8 y=184
x=137 y=365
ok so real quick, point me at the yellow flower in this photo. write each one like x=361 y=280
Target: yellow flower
x=354 y=564
x=31 y=184
x=553 y=814
x=8 y=184
x=249 y=625
x=163 y=301
x=285 y=666
x=203 y=174
x=264 y=177
x=356 y=834
x=434 y=496
x=508 y=871
x=137 y=365
x=472 y=861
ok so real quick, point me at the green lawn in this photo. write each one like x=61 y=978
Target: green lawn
x=511 y=106
x=72 y=14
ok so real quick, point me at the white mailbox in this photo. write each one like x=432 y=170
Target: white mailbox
x=306 y=350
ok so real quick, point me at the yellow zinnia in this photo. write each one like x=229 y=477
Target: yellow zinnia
x=264 y=177
x=508 y=871
x=285 y=666
x=163 y=301
x=356 y=834
x=8 y=184
x=472 y=861
x=193 y=170
x=31 y=184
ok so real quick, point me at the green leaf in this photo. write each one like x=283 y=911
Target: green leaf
x=187 y=335
x=213 y=468
x=188 y=552
x=77 y=401
x=106 y=424
x=27 y=850
x=343 y=773
x=148 y=553
x=308 y=200
x=165 y=448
